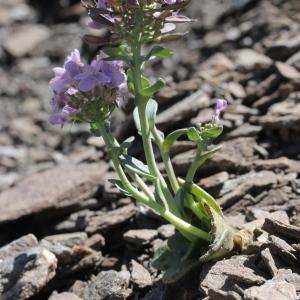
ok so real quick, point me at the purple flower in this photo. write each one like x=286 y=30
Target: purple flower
x=65 y=76
x=63 y=117
x=169 y=2
x=221 y=104
x=91 y=76
x=113 y=71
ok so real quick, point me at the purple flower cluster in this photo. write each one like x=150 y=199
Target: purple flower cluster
x=75 y=83
x=221 y=105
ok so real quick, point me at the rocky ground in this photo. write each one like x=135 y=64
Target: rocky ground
x=67 y=234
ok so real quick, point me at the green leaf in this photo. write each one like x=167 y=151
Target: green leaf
x=128 y=142
x=137 y=121
x=193 y=134
x=172 y=138
x=151 y=111
x=121 y=52
x=120 y=187
x=201 y=159
x=115 y=151
x=160 y=52
x=134 y=165
x=151 y=90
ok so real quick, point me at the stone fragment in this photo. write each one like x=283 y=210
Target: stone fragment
x=287 y=71
x=55 y=189
x=214 y=181
x=24 y=275
x=26 y=39
x=283 y=230
x=103 y=221
x=268 y=260
x=166 y=231
x=271 y=290
x=224 y=274
x=18 y=246
x=183 y=110
x=250 y=59
x=140 y=237
x=140 y=275
x=110 y=285
x=64 y=296
x=280 y=163
x=245 y=130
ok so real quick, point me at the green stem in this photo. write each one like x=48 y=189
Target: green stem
x=167 y=160
x=193 y=168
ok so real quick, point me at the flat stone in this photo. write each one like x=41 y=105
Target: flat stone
x=140 y=236
x=55 y=189
x=24 y=275
x=281 y=229
x=64 y=296
x=103 y=221
x=26 y=39
x=271 y=290
x=111 y=285
x=182 y=110
x=18 y=246
x=140 y=275
x=245 y=130
x=250 y=59
x=166 y=231
x=214 y=181
x=224 y=274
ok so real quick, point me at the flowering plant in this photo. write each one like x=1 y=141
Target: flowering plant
x=90 y=92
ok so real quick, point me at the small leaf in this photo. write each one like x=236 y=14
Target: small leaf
x=193 y=134
x=136 y=166
x=115 y=151
x=160 y=52
x=120 y=187
x=137 y=121
x=149 y=91
x=151 y=111
x=121 y=52
x=172 y=138
x=128 y=142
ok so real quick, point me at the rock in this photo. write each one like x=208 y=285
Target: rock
x=139 y=275
x=140 y=237
x=214 y=181
x=24 y=275
x=183 y=110
x=283 y=230
x=108 y=285
x=272 y=289
x=243 y=149
x=166 y=231
x=245 y=130
x=280 y=163
x=26 y=39
x=221 y=295
x=18 y=246
x=268 y=260
x=277 y=215
x=224 y=274
x=287 y=71
x=103 y=221
x=233 y=190
x=64 y=296
x=44 y=191
x=249 y=59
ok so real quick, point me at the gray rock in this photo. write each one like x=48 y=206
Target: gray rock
x=166 y=231
x=64 y=296
x=186 y=108
x=24 y=275
x=18 y=246
x=250 y=59
x=108 y=285
x=26 y=39
x=44 y=191
x=140 y=237
x=140 y=275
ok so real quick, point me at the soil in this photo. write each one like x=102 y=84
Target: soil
x=67 y=234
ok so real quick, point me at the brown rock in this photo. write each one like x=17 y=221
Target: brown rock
x=214 y=181
x=103 y=221
x=140 y=236
x=55 y=189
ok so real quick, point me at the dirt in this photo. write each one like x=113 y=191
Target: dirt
x=67 y=233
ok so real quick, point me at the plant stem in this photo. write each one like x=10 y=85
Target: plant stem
x=167 y=160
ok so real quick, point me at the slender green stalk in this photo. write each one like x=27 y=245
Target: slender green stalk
x=193 y=168
x=167 y=160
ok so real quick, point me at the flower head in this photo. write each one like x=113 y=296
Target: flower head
x=81 y=91
x=221 y=105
